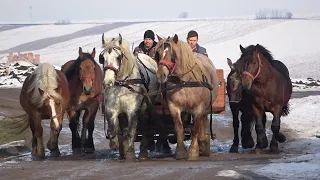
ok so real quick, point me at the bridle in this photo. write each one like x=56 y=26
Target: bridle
x=109 y=66
x=171 y=65
x=259 y=68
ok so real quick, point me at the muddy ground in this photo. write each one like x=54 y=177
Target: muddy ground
x=16 y=162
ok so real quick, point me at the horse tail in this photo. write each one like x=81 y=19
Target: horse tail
x=285 y=110
x=15 y=127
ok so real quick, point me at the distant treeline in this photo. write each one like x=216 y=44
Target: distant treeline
x=273 y=14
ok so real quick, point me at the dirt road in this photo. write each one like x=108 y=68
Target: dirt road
x=16 y=163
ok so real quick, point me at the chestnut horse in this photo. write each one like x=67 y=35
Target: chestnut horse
x=85 y=82
x=179 y=64
x=45 y=95
x=268 y=81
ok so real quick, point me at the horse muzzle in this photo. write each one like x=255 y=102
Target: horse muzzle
x=87 y=90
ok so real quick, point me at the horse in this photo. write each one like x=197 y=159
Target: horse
x=85 y=83
x=268 y=81
x=45 y=95
x=240 y=100
x=191 y=86
x=126 y=79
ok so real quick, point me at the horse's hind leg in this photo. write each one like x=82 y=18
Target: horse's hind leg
x=235 y=123
x=143 y=155
x=34 y=138
x=275 y=127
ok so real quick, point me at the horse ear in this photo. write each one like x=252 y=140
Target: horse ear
x=93 y=53
x=242 y=48
x=104 y=40
x=80 y=52
x=230 y=64
x=120 y=39
x=159 y=38
x=175 y=38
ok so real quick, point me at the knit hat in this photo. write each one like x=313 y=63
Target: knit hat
x=149 y=34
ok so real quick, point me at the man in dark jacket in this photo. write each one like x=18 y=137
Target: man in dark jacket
x=147 y=46
x=192 y=40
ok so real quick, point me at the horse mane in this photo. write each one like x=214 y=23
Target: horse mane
x=128 y=57
x=46 y=79
x=249 y=50
x=188 y=59
x=75 y=67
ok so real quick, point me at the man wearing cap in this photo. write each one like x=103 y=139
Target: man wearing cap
x=147 y=46
x=192 y=40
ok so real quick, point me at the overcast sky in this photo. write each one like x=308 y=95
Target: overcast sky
x=52 y=10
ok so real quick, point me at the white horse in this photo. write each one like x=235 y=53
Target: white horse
x=126 y=78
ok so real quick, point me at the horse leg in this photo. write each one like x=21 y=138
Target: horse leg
x=39 y=136
x=194 y=147
x=143 y=155
x=181 y=151
x=34 y=138
x=73 y=125
x=275 y=126
x=130 y=136
x=235 y=123
x=247 y=117
x=204 y=137
x=92 y=114
x=53 y=142
x=262 y=141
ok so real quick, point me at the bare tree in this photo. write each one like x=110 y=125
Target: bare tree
x=273 y=14
x=183 y=15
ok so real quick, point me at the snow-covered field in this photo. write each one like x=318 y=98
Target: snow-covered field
x=294 y=42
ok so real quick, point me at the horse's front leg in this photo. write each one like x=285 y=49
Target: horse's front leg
x=73 y=125
x=92 y=111
x=39 y=135
x=181 y=151
x=235 y=123
x=275 y=127
x=53 y=141
x=247 y=118
x=204 y=136
x=262 y=141
x=130 y=136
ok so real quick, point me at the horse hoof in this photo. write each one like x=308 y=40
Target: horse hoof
x=234 y=149
x=143 y=156
x=55 y=153
x=263 y=141
x=193 y=157
x=248 y=144
x=280 y=137
x=181 y=155
x=130 y=157
x=89 y=150
x=76 y=151
x=259 y=151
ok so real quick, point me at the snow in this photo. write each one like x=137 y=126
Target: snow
x=303 y=121
x=26 y=34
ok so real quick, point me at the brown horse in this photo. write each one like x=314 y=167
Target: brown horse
x=85 y=83
x=45 y=95
x=268 y=81
x=179 y=64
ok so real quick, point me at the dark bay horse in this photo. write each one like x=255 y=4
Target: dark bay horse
x=179 y=64
x=85 y=82
x=240 y=101
x=268 y=81
x=45 y=95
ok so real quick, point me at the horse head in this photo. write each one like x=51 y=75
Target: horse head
x=234 y=86
x=166 y=56
x=251 y=60
x=87 y=70
x=116 y=59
